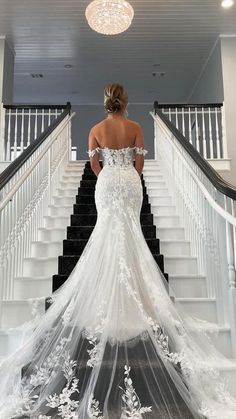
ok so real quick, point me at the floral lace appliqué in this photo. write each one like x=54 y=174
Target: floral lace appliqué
x=93 y=336
x=132 y=407
x=94 y=411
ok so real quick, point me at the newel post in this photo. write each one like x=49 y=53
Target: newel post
x=2 y=134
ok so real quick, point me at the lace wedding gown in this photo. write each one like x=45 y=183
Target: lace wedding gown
x=113 y=345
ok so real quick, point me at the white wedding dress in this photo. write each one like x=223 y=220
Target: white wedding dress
x=113 y=345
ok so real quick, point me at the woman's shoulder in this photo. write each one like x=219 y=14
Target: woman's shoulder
x=98 y=124
x=134 y=123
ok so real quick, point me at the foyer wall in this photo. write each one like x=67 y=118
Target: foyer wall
x=216 y=84
x=88 y=115
x=209 y=86
x=228 y=51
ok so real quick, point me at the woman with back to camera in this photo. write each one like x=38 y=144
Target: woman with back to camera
x=113 y=345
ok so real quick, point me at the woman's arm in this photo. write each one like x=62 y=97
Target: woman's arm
x=139 y=143
x=94 y=160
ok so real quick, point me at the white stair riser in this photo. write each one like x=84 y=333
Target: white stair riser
x=163 y=210
x=24 y=289
x=15 y=314
x=188 y=287
x=74 y=172
x=51 y=222
x=164 y=221
x=157 y=175
x=79 y=166
x=151 y=169
x=154 y=183
x=154 y=177
x=69 y=184
x=76 y=164
x=40 y=267
x=64 y=200
x=175 y=248
x=152 y=163
x=156 y=192
x=50 y=249
x=9 y=342
x=60 y=211
x=70 y=178
x=205 y=310
x=160 y=200
x=222 y=342
x=52 y=234
x=180 y=265
x=170 y=233
x=67 y=191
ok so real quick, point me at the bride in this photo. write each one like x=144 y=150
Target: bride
x=113 y=345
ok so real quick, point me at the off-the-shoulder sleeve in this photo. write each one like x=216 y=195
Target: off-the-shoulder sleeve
x=140 y=150
x=92 y=152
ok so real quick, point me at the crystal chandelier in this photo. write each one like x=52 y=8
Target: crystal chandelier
x=109 y=17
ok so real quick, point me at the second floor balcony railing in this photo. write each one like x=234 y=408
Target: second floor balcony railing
x=203 y=125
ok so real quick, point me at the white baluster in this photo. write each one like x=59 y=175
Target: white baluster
x=49 y=117
x=22 y=132
x=210 y=134
x=218 y=153
x=224 y=138
x=197 y=130
x=230 y=251
x=204 y=134
x=15 y=136
x=176 y=118
x=8 y=147
x=183 y=122
x=190 y=125
x=29 y=127
x=43 y=116
x=2 y=134
x=36 y=124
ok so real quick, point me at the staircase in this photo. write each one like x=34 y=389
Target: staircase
x=68 y=224
x=64 y=236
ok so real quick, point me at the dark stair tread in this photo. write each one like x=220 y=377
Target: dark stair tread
x=92 y=180
x=91 y=208
x=86 y=199
x=84 y=232
x=76 y=246
x=90 y=219
x=60 y=279
x=90 y=175
x=67 y=263
x=89 y=190
x=79 y=232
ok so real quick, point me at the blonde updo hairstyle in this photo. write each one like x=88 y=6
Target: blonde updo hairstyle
x=115 y=98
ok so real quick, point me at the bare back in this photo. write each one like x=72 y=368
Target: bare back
x=116 y=133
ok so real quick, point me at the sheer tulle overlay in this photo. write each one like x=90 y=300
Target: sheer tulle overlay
x=113 y=345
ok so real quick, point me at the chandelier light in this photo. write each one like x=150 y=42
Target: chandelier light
x=227 y=3
x=109 y=17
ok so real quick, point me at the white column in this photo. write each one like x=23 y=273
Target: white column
x=7 y=59
x=228 y=54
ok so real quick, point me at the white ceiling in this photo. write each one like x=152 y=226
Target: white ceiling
x=48 y=34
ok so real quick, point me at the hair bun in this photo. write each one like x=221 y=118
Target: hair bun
x=115 y=98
